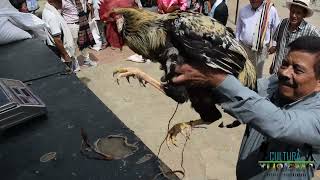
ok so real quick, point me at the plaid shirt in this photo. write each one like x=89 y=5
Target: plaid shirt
x=286 y=37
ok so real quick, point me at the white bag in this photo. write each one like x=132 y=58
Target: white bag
x=10 y=33
x=16 y=26
x=96 y=35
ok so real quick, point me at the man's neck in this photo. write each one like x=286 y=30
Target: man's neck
x=52 y=4
x=257 y=6
x=293 y=27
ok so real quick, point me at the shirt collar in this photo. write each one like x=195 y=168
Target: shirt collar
x=302 y=24
x=306 y=99
x=259 y=8
x=300 y=27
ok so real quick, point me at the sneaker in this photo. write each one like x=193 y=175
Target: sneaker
x=75 y=66
x=89 y=62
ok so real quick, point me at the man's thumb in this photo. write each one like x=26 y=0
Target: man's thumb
x=179 y=79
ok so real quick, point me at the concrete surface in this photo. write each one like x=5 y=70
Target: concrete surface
x=210 y=153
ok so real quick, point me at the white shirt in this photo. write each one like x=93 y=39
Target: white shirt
x=96 y=7
x=53 y=24
x=247 y=20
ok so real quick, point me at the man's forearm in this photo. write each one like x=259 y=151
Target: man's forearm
x=59 y=44
x=171 y=9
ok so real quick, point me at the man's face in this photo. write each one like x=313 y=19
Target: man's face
x=297 y=76
x=297 y=14
x=255 y=3
x=24 y=8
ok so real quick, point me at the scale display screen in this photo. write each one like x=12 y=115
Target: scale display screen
x=18 y=103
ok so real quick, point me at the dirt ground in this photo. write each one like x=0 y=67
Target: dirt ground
x=211 y=153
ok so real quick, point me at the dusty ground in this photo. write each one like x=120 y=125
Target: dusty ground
x=210 y=154
x=147 y=112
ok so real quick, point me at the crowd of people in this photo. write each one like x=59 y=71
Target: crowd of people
x=68 y=29
x=282 y=116
x=68 y=20
x=267 y=36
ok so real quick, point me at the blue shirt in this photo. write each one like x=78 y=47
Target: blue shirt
x=248 y=19
x=270 y=128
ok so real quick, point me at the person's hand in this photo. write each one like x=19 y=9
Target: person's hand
x=172 y=8
x=160 y=11
x=198 y=75
x=89 y=8
x=67 y=58
x=272 y=50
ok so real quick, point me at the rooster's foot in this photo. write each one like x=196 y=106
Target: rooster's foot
x=183 y=128
x=131 y=72
x=140 y=75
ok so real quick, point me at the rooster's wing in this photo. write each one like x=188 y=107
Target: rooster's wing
x=201 y=39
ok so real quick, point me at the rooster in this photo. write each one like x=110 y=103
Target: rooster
x=177 y=38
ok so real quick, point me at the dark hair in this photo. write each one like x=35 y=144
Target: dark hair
x=309 y=44
x=17 y=3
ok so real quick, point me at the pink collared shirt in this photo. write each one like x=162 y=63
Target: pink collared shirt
x=69 y=11
x=164 y=4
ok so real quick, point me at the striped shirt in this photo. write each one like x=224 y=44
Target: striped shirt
x=286 y=37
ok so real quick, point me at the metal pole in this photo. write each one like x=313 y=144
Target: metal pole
x=237 y=8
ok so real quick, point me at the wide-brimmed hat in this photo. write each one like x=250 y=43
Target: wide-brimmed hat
x=302 y=3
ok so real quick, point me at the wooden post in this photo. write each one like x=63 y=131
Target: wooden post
x=237 y=9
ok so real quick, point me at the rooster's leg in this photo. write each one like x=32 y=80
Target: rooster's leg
x=185 y=129
x=140 y=75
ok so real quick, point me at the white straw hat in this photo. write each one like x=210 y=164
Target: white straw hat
x=302 y=3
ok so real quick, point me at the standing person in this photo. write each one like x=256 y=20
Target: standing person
x=256 y=23
x=168 y=6
x=106 y=15
x=219 y=11
x=290 y=29
x=282 y=119
x=94 y=7
x=74 y=13
x=60 y=39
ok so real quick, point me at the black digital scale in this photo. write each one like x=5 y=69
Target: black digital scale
x=18 y=103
